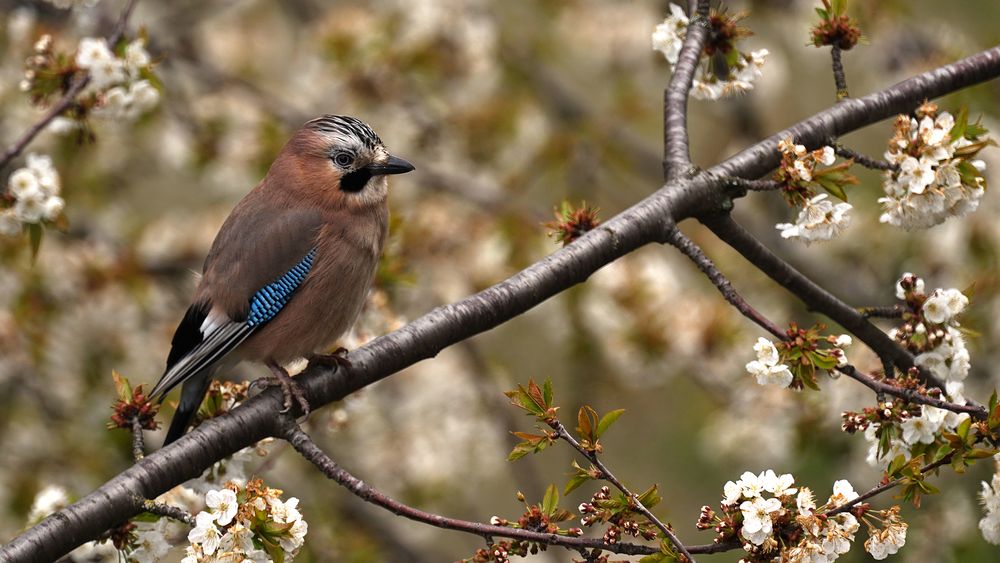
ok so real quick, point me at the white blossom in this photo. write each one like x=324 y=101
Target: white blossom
x=819 y=220
x=757 y=525
x=918 y=285
x=923 y=429
x=205 y=533
x=884 y=543
x=989 y=525
x=151 y=544
x=778 y=374
x=766 y=368
x=222 y=503
x=668 y=37
x=48 y=500
x=843 y=492
x=926 y=188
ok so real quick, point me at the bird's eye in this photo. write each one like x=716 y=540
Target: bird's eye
x=343 y=159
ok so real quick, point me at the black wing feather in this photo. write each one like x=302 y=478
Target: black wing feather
x=188 y=333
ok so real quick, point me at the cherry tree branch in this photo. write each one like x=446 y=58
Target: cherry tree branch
x=64 y=103
x=838 y=72
x=812 y=294
x=976 y=412
x=676 y=149
x=608 y=476
x=862 y=159
x=650 y=220
x=704 y=263
x=303 y=444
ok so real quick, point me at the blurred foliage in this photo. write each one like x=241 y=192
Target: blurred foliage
x=507 y=109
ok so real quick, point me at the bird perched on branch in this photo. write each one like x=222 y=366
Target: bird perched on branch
x=291 y=266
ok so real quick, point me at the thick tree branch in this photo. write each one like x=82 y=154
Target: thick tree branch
x=676 y=150
x=648 y=221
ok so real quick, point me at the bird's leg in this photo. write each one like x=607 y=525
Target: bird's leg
x=289 y=388
x=338 y=359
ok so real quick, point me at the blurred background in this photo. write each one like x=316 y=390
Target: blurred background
x=506 y=109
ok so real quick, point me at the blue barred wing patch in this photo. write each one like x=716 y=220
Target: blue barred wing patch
x=267 y=302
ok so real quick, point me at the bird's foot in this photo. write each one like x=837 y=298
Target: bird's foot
x=291 y=390
x=338 y=359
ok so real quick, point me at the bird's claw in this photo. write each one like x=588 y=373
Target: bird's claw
x=338 y=359
x=290 y=390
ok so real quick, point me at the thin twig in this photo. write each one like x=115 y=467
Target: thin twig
x=676 y=149
x=862 y=159
x=704 y=263
x=746 y=185
x=170 y=511
x=813 y=295
x=838 y=73
x=138 y=447
x=976 y=412
x=608 y=476
x=887 y=312
x=879 y=489
x=77 y=86
x=312 y=453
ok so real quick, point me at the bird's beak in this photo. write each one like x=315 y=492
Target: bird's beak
x=394 y=165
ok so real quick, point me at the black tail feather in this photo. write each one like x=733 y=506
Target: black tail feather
x=192 y=393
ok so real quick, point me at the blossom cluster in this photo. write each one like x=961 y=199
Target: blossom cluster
x=820 y=218
x=767 y=368
x=119 y=82
x=120 y=85
x=34 y=191
x=930 y=330
x=936 y=175
x=989 y=525
x=802 y=352
x=742 y=69
x=775 y=520
x=249 y=523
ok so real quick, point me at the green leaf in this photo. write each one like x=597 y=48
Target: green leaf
x=547 y=392
x=838 y=7
x=607 y=420
x=823 y=359
x=650 y=498
x=35 y=233
x=533 y=443
x=897 y=463
x=574 y=483
x=835 y=189
x=586 y=419
x=274 y=551
x=822 y=14
x=551 y=500
x=941 y=453
x=147 y=517
x=980 y=453
x=963 y=429
x=961 y=123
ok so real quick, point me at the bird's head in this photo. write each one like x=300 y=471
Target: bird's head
x=344 y=158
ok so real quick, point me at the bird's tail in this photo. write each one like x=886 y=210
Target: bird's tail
x=192 y=393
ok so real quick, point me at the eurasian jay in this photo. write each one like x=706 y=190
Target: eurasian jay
x=291 y=267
